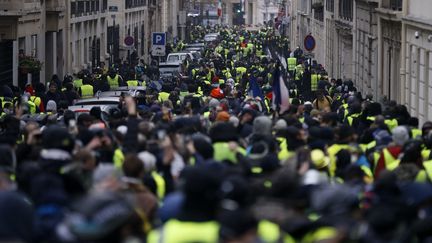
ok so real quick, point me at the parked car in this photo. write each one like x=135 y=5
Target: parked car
x=211 y=37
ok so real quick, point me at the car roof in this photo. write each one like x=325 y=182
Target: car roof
x=87 y=108
x=98 y=99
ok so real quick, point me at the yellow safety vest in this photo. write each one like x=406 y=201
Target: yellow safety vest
x=163 y=96
x=36 y=100
x=284 y=153
x=113 y=82
x=4 y=102
x=160 y=184
x=350 y=118
x=175 y=231
x=426 y=153
x=391 y=163
x=391 y=123
x=78 y=83
x=32 y=107
x=87 y=91
x=292 y=63
x=222 y=152
x=269 y=231
x=321 y=234
x=332 y=151
x=422 y=177
x=416 y=133
x=118 y=158
x=314 y=82
x=427 y=165
x=132 y=83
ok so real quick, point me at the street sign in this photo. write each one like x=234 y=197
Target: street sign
x=158 y=44
x=158 y=51
x=309 y=43
x=129 y=41
x=159 y=39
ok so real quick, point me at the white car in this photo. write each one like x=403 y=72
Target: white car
x=179 y=57
x=85 y=109
x=109 y=101
x=211 y=37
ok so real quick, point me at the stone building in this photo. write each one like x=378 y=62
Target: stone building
x=384 y=46
x=70 y=35
x=416 y=58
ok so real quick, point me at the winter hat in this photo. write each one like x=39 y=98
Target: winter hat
x=234 y=120
x=203 y=145
x=382 y=137
x=213 y=103
x=223 y=116
x=148 y=159
x=262 y=125
x=51 y=106
x=56 y=137
x=400 y=135
x=280 y=125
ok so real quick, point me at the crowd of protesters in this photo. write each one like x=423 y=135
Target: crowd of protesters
x=214 y=155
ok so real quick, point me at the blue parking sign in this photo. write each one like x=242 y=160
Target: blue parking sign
x=159 y=39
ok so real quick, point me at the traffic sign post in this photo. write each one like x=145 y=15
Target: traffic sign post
x=158 y=44
x=309 y=43
x=129 y=41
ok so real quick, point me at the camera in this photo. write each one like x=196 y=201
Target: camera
x=417 y=34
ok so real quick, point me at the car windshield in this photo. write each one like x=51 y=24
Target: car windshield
x=173 y=58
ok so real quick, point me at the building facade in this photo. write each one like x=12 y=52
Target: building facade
x=70 y=35
x=384 y=46
x=259 y=12
x=416 y=61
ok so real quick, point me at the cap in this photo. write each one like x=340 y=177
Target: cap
x=319 y=159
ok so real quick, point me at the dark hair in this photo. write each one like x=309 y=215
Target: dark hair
x=132 y=166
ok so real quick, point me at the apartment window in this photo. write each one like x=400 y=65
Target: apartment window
x=319 y=14
x=81 y=8
x=104 y=5
x=396 y=5
x=346 y=9
x=330 y=5
x=73 y=8
x=135 y=3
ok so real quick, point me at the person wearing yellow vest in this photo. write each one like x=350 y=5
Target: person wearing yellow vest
x=132 y=83
x=292 y=63
x=38 y=102
x=78 y=83
x=314 y=81
x=196 y=219
x=389 y=156
x=346 y=137
x=86 y=91
x=114 y=80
